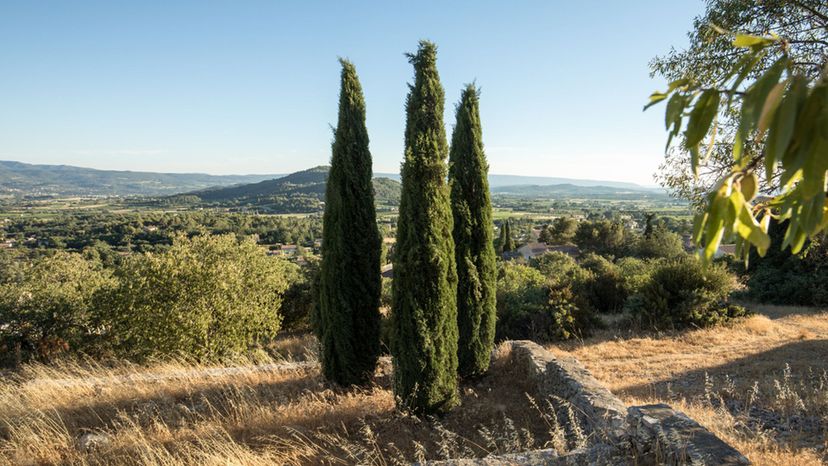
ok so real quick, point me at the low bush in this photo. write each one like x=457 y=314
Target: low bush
x=530 y=306
x=45 y=306
x=207 y=297
x=660 y=243
x=636 y=273
x=299 y=300
x=683 y=293
x=787 y=279
x=604 y=286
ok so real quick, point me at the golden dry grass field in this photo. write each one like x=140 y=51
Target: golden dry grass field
x=759 y=383
x=264 y=412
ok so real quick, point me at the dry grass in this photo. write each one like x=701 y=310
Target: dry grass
x=759 y=383
x=254 y=412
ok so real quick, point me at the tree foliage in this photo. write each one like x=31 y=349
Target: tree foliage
x=767 y=86
x=45 y=305
x=350 y=284
x=603 y=237
x=560 y=231
x=425 y=276
x=683 y=293
x=206 y=297
x=474 y=251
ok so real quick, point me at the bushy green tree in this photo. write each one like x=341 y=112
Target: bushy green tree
x=425 y=277
x=350 y=285
x=659 y=242
x=206 y=297
x=45 y=305
x=684 y=293
x=532 y=306
x=560 y=231
x=474 y=252
x=604 y=289
x=603 y=237
x=748 y=107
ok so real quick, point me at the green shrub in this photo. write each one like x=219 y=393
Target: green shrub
x=530 y=306
x=635 y=273
x=301 y=296
x=790 y=279
x=206 y=297
x=604 y=237
x=660 y=243
x=45 y=305
x=559 y=268
x=604 y=288
x=684 y=293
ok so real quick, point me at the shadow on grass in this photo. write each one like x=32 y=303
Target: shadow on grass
x=802 y=356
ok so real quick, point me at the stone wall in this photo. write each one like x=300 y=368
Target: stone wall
x=618 y=435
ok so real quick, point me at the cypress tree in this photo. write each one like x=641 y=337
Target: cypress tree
x=474 y=252
x=508 y=241
x=425 y=279
x=350 y=282
x=501 y=239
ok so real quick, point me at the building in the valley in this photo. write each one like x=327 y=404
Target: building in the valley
x=532 y=250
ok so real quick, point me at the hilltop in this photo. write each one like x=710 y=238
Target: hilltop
x=302 y=191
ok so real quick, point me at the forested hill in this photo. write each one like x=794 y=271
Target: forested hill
x=303 y=191
x=64 y=180
x=306 y=182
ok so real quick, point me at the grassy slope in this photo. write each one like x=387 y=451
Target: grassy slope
x=676 y=369
x=252 y=413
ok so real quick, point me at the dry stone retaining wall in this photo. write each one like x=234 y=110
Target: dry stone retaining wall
x=638 y=435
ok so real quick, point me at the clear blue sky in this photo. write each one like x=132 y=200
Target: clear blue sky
x=251 y=86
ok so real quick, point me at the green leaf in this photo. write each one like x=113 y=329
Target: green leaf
x=747 y=40
x=672 y=115
x=742 y=68
x=782 y=127
x=752 y=104
x=769 y=108
x=698 y=226
x=705 y=109
x=655 y=98
x=748 y=228
x=694 y=160
x=749 y=185
x=677 y=84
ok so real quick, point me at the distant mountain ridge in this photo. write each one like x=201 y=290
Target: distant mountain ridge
x=497 y=181
x=570 y=190
x=66 y=180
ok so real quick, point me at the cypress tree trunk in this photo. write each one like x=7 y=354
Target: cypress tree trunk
x=350 y=282
x=425 y=279
x=474 y=252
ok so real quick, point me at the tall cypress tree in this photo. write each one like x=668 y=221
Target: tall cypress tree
x=425 y=279
x=350 y=282
x=474 y=251
x=508 y=243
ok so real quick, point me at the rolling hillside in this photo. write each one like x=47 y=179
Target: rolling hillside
x=18 y=178
x=303 y=191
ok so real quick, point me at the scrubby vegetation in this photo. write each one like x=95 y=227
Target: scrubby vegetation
x=207 y=297
x=684 y=293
